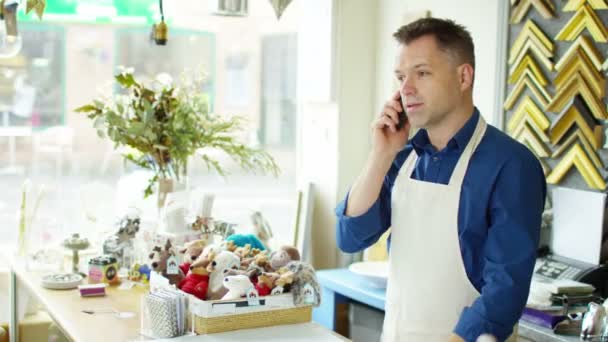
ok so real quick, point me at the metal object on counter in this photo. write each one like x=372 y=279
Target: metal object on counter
x=593 y=327
x=567 y=301
x=75 y=244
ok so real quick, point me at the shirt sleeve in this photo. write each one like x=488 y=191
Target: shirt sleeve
x=515 y=212
x=355 y=233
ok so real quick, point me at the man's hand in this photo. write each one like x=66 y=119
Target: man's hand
x=455 y=338
x=386 y=139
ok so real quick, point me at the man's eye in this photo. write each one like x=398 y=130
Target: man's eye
x=422 y=73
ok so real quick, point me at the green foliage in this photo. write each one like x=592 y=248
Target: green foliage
x=165 y=124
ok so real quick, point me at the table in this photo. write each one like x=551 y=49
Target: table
x=343 y=286
x=65 y=307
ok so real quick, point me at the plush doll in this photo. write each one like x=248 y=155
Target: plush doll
x=285 y=279
x=197 y=281
x=240 y=240
x=237 y=286
x=134 y=274
x=222 y=261
x=159 y=258
x=304 y=274
x=145 y=270
x=261 y=262
x=266 y=283
x=230 y=245
x=243 y=252
x=252 y=274
x=283 y=256
x=191 y=250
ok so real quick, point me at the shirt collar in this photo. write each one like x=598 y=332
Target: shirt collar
x=459 y=141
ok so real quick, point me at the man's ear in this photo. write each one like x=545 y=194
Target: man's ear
x=466 y=73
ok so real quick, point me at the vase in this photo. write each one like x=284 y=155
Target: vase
x=167 y=186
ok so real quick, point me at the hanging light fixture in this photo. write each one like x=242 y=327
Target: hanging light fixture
x=230 y=8
x=279 y=6
x=10 y=40
x=160 y=30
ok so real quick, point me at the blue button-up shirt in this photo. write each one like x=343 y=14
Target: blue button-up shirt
x=501 y=203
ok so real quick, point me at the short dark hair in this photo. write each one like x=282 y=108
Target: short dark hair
x=451 y=37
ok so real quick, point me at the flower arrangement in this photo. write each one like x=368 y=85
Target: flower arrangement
x=164 y=124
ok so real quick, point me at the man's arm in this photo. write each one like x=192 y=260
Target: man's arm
x=367 y=188
x=365 y=214
x=359 y=232
x=515 y=211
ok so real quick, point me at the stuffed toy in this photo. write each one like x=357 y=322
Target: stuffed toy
x=240 y=240
x=191 y=250
x=197 y=281
x=230 y=246
x=304 y=274
x=252 y=274
x=222 y=261
x=281 y=284
x=261 y=262
x=145 y=270
x=158 y=261
x=134 y=274
x=285 y=279
x=283 y=256
x=243 y=252
x=237 y=286
x=266 y=282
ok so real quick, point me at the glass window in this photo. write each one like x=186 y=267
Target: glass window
x=67 y=61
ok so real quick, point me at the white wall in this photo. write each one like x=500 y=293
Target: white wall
x=479 y=16
x=335 y=116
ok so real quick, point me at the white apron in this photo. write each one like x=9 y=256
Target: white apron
x=427 y=287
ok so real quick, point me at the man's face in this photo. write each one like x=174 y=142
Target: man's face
x=429 y=82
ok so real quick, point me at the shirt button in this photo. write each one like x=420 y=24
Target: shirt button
x=435 y=159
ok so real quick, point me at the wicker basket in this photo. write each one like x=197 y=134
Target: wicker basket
x=212 y=316
x=210 y=325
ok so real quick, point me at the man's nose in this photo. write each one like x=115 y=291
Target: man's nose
x=408 y=86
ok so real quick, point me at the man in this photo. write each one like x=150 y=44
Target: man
x=463 y=199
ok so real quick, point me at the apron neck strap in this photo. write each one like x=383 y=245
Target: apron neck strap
x=465 y=157
x=463 y=162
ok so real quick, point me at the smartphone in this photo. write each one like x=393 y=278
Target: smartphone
x=402 y=116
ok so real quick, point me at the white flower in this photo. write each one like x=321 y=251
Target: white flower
x=164 y=79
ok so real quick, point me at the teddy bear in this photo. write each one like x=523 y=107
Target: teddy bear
x=197 y=281
x=260 y=261
x=222 y=261
x=283 y=256
x=237 y=286
x=191 y=250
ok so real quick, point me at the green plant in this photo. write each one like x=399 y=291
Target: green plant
x=164 y=124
